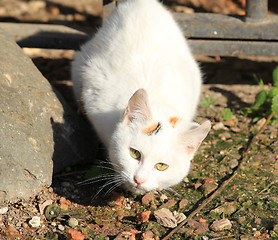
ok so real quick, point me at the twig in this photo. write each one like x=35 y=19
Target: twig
x=218 y=238
x=224 y=184
x=265 y=189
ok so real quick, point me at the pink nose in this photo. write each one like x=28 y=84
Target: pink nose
x=139 y=181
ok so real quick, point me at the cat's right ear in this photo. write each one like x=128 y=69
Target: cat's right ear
x=193 y=137
x=138 y=108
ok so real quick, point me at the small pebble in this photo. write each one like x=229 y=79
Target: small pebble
x=4 y=210
x=61 y=227
x=183 y=203
x=128 y=207
x=222 y=152
x=241 y=219
x=35 y=222
x=180 y=217
x=72 y=222
x=144 y=216
x=219 y=126
x=186 y=180
x=225 y=135
x=233 y=163
x=25 y=225
x=163 y=197
x=221 y=225
x=148 y=198
x=147 y=235
x=53 y=224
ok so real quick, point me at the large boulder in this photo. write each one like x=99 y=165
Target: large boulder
x=38 y=130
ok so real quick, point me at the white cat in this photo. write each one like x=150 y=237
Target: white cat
x=140 y=87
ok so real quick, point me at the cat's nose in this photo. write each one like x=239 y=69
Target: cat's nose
x=139 y=181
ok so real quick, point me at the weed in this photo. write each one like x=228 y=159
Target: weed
x=227 y=114
x=266 y=102
x=207 y=102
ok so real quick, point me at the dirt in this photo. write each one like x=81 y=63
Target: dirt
x=246 y=209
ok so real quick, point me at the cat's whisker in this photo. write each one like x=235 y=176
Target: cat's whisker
x=175 y=192
x=158 y=191
x=117 y=184
x=124 y=175
x=101 y=188
x=108 y=168
x=97 y=178
x=116 y=181
x=91 y=181
x=114 y=167
x=166 y=192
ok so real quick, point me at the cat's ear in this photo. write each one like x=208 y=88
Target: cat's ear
x=138 y=108
x=193 y=137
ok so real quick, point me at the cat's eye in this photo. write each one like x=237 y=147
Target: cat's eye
x=161 y=166
x=135 y=153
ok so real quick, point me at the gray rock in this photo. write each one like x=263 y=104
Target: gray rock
x=37 y=128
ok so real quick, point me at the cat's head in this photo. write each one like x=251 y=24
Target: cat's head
x=150 y=153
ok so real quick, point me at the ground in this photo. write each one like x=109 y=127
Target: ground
x=247 y=207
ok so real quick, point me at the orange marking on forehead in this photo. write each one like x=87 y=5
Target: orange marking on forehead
x=173 y=121
x=151 y=129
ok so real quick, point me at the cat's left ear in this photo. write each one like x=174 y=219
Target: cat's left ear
x=193 y=137
x=138 y=108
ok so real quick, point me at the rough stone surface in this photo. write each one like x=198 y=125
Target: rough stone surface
x=220 y=225
x=37 y=128
x=165 y=218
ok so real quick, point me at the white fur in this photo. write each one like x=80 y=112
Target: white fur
x=141 y=46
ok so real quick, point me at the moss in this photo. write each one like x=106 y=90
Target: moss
x=153 y=225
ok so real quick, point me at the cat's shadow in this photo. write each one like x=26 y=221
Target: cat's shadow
x=233 y=101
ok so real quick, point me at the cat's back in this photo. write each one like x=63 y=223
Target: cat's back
x=139 y=46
